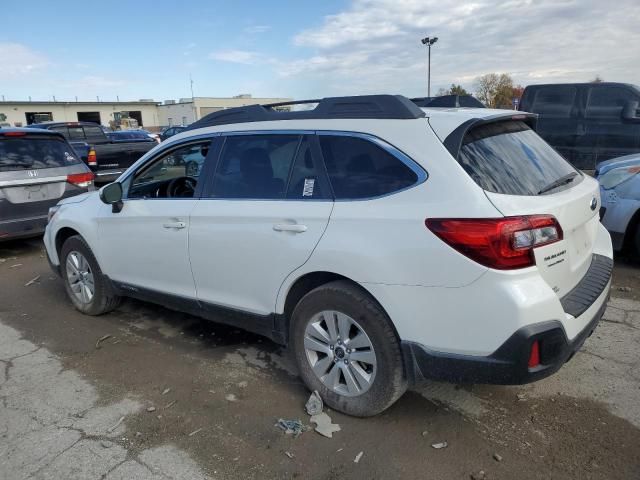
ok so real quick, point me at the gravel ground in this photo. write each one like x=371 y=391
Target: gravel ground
x=166 y=395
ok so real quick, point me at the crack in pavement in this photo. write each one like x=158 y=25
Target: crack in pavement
x=52 y=427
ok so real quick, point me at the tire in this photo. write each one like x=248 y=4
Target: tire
x=103 y=299
x=349 y=305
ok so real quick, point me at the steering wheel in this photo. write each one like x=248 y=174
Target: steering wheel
x=182 y=187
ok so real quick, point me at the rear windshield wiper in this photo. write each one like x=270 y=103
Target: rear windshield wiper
x=568 y=178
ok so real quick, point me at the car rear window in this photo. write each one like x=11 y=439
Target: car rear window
x=510 y=158
x=30 y=153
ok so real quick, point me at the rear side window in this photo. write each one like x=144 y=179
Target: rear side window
x=308 y=180
x=95 y=133
x=358 y=168
x=510 y=158
x=76 y=133
x=255 y=166
x=608 y=101
x=31 y=153
x=554 y=102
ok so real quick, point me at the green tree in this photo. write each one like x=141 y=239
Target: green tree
x=457 y=90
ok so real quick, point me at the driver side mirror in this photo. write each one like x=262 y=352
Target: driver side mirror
x=630 y=111
x=111 y=194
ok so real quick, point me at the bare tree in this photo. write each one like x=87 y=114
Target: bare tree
x=495 y=90
x=598 y=79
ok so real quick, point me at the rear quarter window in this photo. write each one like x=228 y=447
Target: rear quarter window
x=31 y=153
x=358 y=168
x=554 y=102
x=510 y=158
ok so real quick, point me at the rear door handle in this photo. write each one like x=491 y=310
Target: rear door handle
x=290 y=227
x=174 y=225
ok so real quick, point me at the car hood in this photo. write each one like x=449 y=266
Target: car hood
x=626 y=161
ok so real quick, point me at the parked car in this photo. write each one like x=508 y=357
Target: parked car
x=37 y=169
x=586 y=122
x=105 y=157
x=382 y=242
x=171 y=131
x=131 y=136
x=620 y=192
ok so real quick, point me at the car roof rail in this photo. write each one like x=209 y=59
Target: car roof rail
x=355 y=107
x=448 y=101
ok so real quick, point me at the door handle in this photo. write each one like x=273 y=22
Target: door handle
x=290 y=227
x=174 y=225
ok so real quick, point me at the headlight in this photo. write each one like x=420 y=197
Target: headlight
x=52 y=212
x=615 y=177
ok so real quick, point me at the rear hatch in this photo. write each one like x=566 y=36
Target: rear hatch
x=36 y=171
x=522 y=175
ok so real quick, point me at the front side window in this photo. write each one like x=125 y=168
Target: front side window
x=255 y=166
x=173 y=175
x=358 y=168
x=510 y=158
x=608 y=101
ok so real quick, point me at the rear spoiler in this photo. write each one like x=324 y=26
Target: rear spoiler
x=454 y=140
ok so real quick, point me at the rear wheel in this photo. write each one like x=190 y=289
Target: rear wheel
x=346 y=348
x=86 y=287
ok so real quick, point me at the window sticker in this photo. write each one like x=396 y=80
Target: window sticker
x=307 y=190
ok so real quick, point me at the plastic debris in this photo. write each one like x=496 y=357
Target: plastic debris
x=165 y=391
x=358 y=457
x=151 y=409
x=289 y=454
x=295 y=427
x=102 y=339
x=32 y=281
x=324 y=426
x=314 y=405
x=497 y=457
x=194 y=432
x=440 y=445
x=231 y=397
x=111 y=429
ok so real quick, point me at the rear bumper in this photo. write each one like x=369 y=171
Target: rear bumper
x=508 y=365
x=22 y=227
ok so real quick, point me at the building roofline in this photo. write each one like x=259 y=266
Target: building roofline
x=40 y=102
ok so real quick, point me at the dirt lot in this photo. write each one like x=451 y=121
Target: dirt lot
x=75 y=409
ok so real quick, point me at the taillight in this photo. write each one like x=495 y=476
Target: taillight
x=501 y=243
x=14 y=134
x=92 y=159
x=81 y=179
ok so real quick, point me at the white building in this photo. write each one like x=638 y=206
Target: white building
x=26 y=113
x=186 y=110
x=149 y=114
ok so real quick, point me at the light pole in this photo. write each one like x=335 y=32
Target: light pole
x=428 y=41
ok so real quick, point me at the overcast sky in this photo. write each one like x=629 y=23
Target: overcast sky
x=148 y=49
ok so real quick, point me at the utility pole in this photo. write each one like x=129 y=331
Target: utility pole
x=428 y=41
x=193 y=102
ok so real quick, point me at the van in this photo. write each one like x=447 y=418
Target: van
x=587 y=123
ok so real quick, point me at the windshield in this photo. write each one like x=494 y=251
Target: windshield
x=31 y=152
x=510 y=158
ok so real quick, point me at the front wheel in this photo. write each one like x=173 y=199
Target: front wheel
x=86 y=287
x=347 y=350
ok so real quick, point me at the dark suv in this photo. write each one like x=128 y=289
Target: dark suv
x=37 y=169
x=587 y=122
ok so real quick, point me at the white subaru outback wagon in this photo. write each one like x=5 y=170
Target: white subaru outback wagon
x=383 y=242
